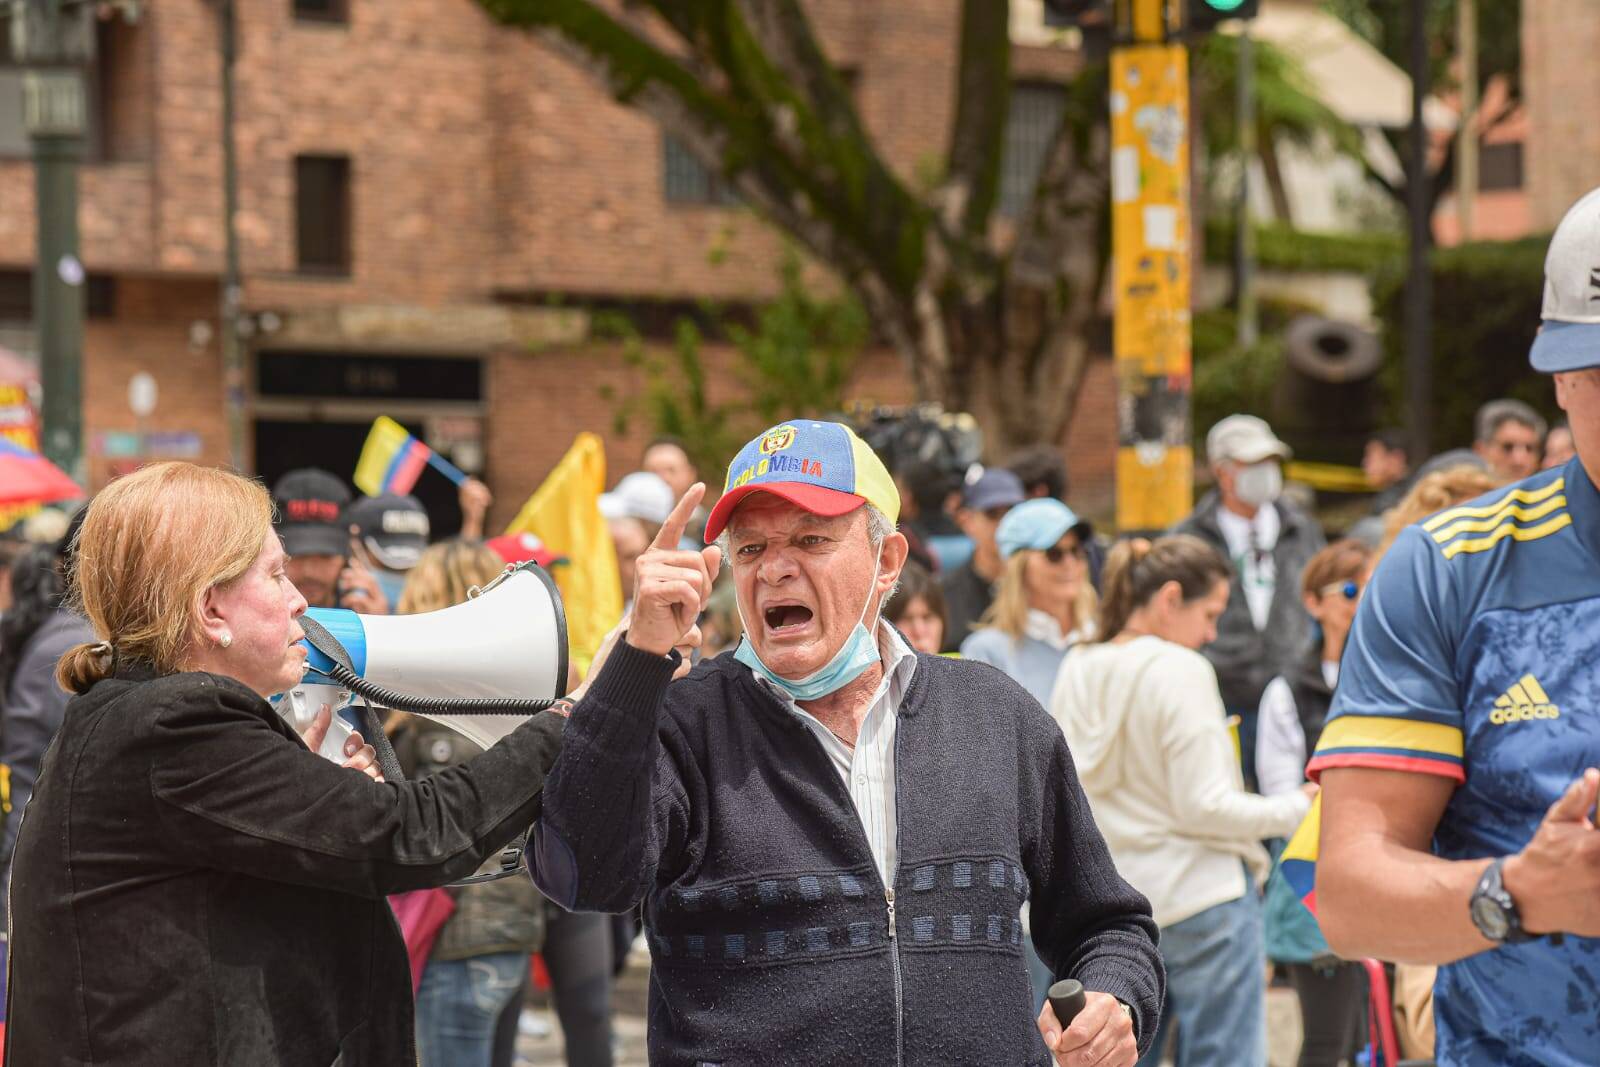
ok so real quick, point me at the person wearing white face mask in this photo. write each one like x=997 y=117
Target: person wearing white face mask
x=833 y=835
x=1268 y=540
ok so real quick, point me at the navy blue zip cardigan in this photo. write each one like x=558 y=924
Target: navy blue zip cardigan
x=773 y=940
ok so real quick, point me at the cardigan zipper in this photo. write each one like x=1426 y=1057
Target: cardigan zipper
x=899 y=992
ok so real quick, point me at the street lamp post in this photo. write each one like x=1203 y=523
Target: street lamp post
x=54 y=41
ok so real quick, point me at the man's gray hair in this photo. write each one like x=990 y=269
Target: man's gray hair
x=878 y=528
x=1497 y=413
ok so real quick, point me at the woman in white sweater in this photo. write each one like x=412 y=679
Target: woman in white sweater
x=1146 y=726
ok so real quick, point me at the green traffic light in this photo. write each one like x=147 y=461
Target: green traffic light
x=1225 y=5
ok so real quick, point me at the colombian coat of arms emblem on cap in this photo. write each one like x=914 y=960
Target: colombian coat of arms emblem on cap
x=776 y=440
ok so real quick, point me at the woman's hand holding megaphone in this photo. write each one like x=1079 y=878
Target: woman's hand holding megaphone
x=361 y=756
x=671 y=585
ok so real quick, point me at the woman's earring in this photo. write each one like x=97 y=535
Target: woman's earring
x=227 y=639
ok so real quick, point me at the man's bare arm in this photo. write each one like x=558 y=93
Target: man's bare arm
x=1380 y=891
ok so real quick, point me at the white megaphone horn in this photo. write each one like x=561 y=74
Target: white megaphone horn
x=481 y=667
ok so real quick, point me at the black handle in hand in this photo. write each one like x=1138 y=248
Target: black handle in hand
x=1066 y=1000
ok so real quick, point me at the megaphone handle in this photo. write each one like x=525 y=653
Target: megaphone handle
x=1067 y=999
x=339 y=732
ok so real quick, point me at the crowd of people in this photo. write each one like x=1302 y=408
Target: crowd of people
x=788 y=770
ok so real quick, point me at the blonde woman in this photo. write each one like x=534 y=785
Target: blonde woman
x=192 y=884
x=1045 y=602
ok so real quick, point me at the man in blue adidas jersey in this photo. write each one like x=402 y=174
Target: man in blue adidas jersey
x=1458 y=764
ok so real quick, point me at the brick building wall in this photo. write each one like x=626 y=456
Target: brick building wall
x=1561 y=84
x=483 y=168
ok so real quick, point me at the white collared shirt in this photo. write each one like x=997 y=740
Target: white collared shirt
x=868 y=768
x=1257 y=569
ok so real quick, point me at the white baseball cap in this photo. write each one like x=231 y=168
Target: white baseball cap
x=641 y=495
x=1569 y=336
x=1244 y=439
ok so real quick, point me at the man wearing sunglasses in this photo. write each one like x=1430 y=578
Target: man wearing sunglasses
x=1461 y=758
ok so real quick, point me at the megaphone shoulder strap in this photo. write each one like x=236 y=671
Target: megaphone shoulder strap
x=371 y=729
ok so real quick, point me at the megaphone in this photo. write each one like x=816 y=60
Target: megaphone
x=481 y=667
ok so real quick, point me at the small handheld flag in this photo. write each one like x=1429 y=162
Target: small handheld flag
x=1300 y=856
x=392 y=460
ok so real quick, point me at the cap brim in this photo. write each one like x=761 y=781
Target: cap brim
x=401 y=556
x=812 y=498
x=1257 y=453
x=1564 y=346
x=1045 y=537
x=314 y=540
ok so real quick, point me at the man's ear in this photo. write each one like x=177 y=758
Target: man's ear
x=894 y=553
x=1563 y=383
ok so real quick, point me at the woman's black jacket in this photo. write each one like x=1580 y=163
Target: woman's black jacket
x=192 y=886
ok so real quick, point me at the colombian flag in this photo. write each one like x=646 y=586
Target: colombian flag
x=564 y=513
x=392 y=460
x=1300 y=856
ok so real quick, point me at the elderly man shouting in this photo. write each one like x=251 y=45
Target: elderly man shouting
x=833 y=835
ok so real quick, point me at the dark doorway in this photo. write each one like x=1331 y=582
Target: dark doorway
x=284 y=445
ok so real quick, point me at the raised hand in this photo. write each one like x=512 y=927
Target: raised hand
x=671 y=585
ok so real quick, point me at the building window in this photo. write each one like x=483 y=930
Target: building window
x=685 y=180
x=1030 y=129
x=1500 y=166
x=322 y=214
x=322 y=10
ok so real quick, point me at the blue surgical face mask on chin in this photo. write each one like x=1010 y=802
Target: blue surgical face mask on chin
x=855 y=656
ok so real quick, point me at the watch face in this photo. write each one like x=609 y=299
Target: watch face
x=1490 y=919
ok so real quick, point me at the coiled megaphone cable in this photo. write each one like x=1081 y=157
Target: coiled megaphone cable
x=342 y=672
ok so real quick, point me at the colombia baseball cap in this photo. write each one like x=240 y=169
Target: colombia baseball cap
x=822 y=467
x=394 y=528
x=307 y=503
x=1569 y=334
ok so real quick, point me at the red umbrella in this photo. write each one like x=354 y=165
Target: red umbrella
x=28 y=478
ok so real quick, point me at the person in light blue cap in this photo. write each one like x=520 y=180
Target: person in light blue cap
x=1044 y=603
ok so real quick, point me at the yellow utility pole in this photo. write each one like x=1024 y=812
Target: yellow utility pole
x=1150 y=244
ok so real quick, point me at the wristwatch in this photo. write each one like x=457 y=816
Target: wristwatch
x=1494 y=913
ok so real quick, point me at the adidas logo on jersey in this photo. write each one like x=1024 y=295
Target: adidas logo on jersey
x=1523 y=702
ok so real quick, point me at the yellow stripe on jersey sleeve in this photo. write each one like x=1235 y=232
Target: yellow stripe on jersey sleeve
x=1379 y=731
x=1510 y=511
x=1518 y=533
x=1516 y=496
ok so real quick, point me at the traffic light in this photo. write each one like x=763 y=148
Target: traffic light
x=1204 y=15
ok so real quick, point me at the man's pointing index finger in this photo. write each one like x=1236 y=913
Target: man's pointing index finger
x=672 y=530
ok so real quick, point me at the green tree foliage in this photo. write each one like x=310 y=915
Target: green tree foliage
x=1386 y=24
x=1486 y=314
x=794 y=360
x=1288 y=111
x=993 y=324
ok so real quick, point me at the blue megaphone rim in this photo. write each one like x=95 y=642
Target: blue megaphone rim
x=345 y=625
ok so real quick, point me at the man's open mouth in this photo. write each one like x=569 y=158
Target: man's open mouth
x=786 y=618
